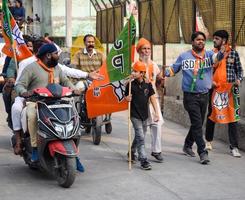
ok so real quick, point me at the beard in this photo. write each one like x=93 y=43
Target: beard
x=145 y=59
x=216 y=45
x=52 y=63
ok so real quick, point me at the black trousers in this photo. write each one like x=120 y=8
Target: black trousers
x=210 y=125
x=196 y=106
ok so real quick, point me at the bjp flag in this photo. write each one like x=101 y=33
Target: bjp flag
x=13 y=36
x=225 y=98
x=225 y=104
x=107 y=96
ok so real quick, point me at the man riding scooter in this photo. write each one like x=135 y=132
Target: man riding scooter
x=19 y=101
x=40 y=74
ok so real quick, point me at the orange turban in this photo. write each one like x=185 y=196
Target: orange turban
x=141 y=43
x=139 y=67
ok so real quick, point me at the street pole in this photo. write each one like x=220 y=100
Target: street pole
x=68 y=23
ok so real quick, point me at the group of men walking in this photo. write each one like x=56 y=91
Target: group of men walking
x=214 y=77
x=208 y=76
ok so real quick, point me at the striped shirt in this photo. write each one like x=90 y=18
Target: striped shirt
x=233 y=67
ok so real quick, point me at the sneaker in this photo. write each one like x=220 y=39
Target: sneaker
x=209 y=146
x=204 y=158
x=34 y=155
x=235 y=152
x=188 y=151
x=133 y=157
x=145 y=164
x=158 y=156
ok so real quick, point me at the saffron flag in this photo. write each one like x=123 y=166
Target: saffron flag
x=107 y=96
x=225 y=98
x=13 y=36
x=225 y=104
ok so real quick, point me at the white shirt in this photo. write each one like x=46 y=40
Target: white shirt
x=23 y=64
x=74 y=73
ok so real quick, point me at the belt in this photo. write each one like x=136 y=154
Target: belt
x=196 y=94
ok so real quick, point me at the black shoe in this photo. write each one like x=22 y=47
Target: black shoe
x=133 y=157
x=204 y=158
x=158 y=156
x=145 y=164
x=188 y=151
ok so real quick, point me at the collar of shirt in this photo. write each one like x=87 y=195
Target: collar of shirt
x=86 y=52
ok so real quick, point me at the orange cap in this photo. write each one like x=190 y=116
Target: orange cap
x=139 y=67
x=141 y=43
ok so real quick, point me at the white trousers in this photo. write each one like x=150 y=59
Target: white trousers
x=17 y=108
x=155 y=129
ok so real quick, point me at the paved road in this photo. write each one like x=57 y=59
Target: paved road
x=107 y=176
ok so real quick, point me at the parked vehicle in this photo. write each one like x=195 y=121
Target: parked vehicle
x=93 y=125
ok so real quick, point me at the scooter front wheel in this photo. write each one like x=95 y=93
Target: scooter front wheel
x=66 y=171
x=96 y=130
x=96 y=135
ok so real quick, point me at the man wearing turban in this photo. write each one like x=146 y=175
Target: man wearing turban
x=40 y=74
x=152 y=71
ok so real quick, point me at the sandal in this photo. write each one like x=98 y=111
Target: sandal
x=18 y=149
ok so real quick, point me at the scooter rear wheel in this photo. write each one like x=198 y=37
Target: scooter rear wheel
x=66 y=172
x=108 y=128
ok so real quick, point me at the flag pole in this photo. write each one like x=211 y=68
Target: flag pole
x=15 y=58
x=129 y=131
x=14 y=50
x=129 y=103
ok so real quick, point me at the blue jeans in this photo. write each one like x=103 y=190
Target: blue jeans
x=140 y=128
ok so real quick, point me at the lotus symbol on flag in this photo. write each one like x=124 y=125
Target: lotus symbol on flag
x=118 y=89
x=17 y=35
x=221 y=100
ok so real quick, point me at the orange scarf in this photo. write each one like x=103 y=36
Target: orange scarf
x=220 y=76
x=199 y=59
x=150 y=72
x=49 y=70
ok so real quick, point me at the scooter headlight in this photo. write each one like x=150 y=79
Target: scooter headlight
x=58 y=128
x=63 y=130
x=69 y=127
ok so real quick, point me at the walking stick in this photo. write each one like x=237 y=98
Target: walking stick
x=129 y=103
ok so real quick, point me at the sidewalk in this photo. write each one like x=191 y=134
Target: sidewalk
x=107 y=176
